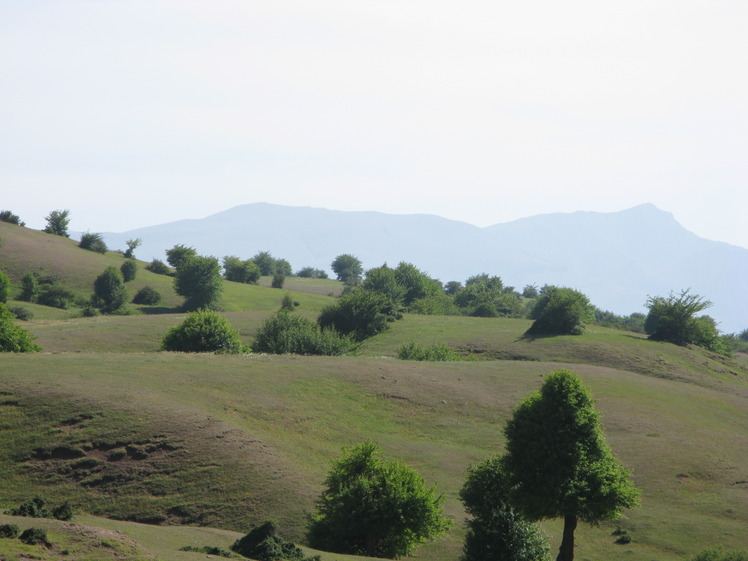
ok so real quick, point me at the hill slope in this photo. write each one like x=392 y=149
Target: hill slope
x=617 y=259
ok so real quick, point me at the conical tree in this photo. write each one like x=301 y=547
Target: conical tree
x=558 y=462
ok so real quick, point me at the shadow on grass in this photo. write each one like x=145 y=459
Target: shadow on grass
x=154 y=310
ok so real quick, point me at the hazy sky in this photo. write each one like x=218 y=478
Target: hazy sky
x=131 y=113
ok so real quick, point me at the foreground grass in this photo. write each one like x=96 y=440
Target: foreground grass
x=258 y=432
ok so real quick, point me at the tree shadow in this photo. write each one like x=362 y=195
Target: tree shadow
x=156 y=310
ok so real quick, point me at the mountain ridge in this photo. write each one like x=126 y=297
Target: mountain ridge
x=618 y=259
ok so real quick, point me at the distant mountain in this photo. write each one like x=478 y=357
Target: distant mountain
x=617 y=259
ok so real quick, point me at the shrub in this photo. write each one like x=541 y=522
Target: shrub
x=434 y=352
x=278 y=280
x=63 y=511
x=718 y=554
x=560 y=311
x=5 y=287
x=287 y=302
x=375 y=507
x=147 y=296
x=35 y=536
x=348 y=268
x=55 y=296
x=262 y=543
x=158 y=267
x=198 y=280
x=286 y=333
x=8 y=531
x=36 y=508
x=110 y=293
x=672 y=319
x=29 y=288
x=9 y=217
x=93 y=242
x=129 y=269
x=236 y=270
x=179 y=254
x=22 y=313
x=204 y=331
x=132 y=245
x=207 y=550
x=360 y=313
x=12 y=337
x=311 y=273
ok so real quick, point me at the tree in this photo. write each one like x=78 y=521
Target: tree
x=560 y=311
x=178 y=254
x=132 y=245
x=497 y=530
x=672 y=319
x=57 y=223
x=311 y=273
x=14 y=339
x=284 y=333
x=382 y=280
x=347 y=268
x=360 y=313
x=236 y=270
x=5 y=287
x=129 y=269
x=265 y=262
x=278 y=280
x=198 y=280
x=283 y=267
x=204 y=331
x=147 y=296
x=9 y=217
x=375 y=507
x=93 y=242
x=29 y=288
x=558 y=463
x=110 y=293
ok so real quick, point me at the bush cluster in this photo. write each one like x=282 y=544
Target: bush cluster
x=37 y=508
x=159 y=267
x=264 y=544
x=204 y=331
x=147 y=296
x=433 y=352
x=13 y=338
x=287 y=333
x=93 y=242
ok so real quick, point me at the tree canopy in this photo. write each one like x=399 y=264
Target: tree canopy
x=198 y=280
x=672 y=319
x=110 y=293
x=204 y=331
x=560 y=311
x=558 y=462
x=375 y=507
x=13 y=338
x=57 y=223
x=348 y=268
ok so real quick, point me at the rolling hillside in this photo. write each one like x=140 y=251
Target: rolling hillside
x=157 y=443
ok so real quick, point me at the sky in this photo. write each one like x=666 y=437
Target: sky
x=132 y=113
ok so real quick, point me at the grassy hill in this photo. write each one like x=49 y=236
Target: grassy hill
x=177 y=441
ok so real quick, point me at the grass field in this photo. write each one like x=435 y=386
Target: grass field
x=150 y=445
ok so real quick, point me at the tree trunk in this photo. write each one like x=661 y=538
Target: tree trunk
x=566 y=551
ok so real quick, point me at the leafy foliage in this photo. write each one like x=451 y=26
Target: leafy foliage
x=311 y=273
x=672 y=319
x=198 y=280
x=236 y=270
x=158 y=267
x=132 y=245
x=266 y=262
x=360 y=313
x=5 y=287
x=558 y=463
x=496 y=530
x=22 y=313
x=264 y=544
x=382 y=280
x=29 y=288
x=55 y=296
x=147 y=296
x=8 y=531
x=57 y=223
x=486 y=296
x=37 y=508
x=13 y=338
x=129 y=269
x=415 y=283
x=34 y=536
x=286 y=333
x=560 y=311
x=348 y=268
x=110 y=293
x=278 y=280
x=9 y=217
x=375 y=507
x=204 y=331
x=179 y=254
x=93 y=242
x=434 y=352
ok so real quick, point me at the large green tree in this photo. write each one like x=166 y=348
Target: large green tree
x=179 y=253
x=360 y=313
x=198 y=280
x=13 y=338
x=496 y=530
x=5 y=287
x=558 y=462
x=673 y=319
x=375 y=507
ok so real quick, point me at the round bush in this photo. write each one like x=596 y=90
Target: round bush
x=147 y=296
x=129 y=269
x=204 y=331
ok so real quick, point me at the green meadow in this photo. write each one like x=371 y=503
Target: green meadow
x=157 y=450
